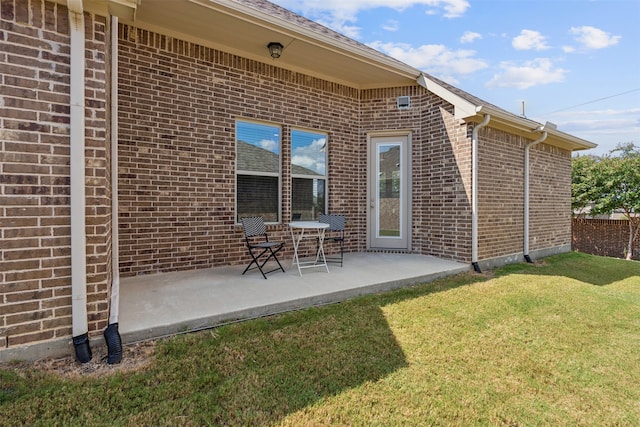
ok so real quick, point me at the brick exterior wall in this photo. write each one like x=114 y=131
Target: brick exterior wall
x=603 y=237
x=445 y=224
x=35 y=272
x=501 y=195
x=178 y=107
x=550 y=197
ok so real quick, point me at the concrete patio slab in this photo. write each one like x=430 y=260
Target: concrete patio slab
x=154 y=306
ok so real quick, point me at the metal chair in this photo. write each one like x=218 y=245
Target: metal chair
x=255 y=235
x=335 y=233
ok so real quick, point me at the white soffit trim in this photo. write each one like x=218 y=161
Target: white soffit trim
x=462 y=108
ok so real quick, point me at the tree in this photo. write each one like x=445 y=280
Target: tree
x=610 y=183
x=582 y=193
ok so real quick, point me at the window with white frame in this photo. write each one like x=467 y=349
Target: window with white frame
x=257 y=170
x=308 y=174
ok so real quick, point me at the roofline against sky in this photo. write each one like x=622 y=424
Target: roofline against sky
x=367 y=54
x=465 y=110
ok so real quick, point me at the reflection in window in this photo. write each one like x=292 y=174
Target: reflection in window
x=308 y=173
x=257 y=171
x=389 y=183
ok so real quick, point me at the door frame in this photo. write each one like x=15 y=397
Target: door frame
x=372 y=241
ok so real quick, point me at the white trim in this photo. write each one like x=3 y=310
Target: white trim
x=77 y=174
x=114 y=306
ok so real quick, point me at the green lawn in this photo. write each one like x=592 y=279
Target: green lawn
x=553 y=344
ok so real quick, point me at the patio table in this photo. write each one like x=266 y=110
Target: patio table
x=301 y=229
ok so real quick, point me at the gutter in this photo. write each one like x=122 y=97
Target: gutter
x=474 y=193
x=527 y=148
x=79 y=322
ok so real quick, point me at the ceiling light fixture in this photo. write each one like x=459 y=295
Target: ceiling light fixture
x=275 y=49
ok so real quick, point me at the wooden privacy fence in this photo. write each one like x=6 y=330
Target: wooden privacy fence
x=604 y=237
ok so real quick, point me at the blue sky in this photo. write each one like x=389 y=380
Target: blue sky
x=575 y=63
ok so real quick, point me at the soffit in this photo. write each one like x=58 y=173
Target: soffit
x=235 y=28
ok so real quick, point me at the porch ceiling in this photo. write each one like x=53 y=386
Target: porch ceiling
x=236 y=28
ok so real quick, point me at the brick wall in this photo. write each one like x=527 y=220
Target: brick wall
x=445 y=180
x=379 y=112
x=501 y=195
x=178 y=107
x=35 y=272
x=604 y=237
x=550 y=197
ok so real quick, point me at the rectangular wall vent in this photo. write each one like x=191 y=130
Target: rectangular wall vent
x=404 y=102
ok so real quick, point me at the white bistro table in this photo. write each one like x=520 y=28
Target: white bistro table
x=300 y=229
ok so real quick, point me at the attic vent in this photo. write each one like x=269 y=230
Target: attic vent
x=404 y=102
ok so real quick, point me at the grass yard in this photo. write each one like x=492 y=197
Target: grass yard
x=557 y=343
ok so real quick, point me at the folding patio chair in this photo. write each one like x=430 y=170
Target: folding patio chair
x=259 y=246
x=335 y=233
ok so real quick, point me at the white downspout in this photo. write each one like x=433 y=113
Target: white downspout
x=80 y=326
x=114 y=307
x=111 y=334
x=526 y=194
x=474 y=193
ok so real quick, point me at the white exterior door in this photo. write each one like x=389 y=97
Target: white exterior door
x=388 y=193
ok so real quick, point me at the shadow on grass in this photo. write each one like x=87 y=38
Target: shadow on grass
x=592 y=269
x=255 y=372
x=263 y=370
x=259 y=372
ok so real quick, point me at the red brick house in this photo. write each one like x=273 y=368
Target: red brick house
x=122 y=130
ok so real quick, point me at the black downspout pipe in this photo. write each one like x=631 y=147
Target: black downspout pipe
x=83 y=350
x=528 y=259
x=476 y=267
x=114 y=344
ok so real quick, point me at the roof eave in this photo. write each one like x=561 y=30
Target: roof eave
x=327 y=41
x=469 y=111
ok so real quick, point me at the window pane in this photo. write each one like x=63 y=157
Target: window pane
x=257 y=147
x=258 y=171
x=309 y=198
x=308 y=170
x=308 y=153
x=257 y=196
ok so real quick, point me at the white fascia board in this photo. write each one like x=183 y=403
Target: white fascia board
x=575 y=142
x=517 y=122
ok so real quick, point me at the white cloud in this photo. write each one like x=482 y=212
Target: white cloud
x=311 y=156
x=593 y=38
x=470 y=37
x=391 y=25
x=435 y=59
x=269 y=144
x=340 y=15
x=529 y=40
x=531 y=73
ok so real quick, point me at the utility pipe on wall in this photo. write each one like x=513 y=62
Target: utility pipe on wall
x=80 y=326
x=474 y=193
x=526 y=193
